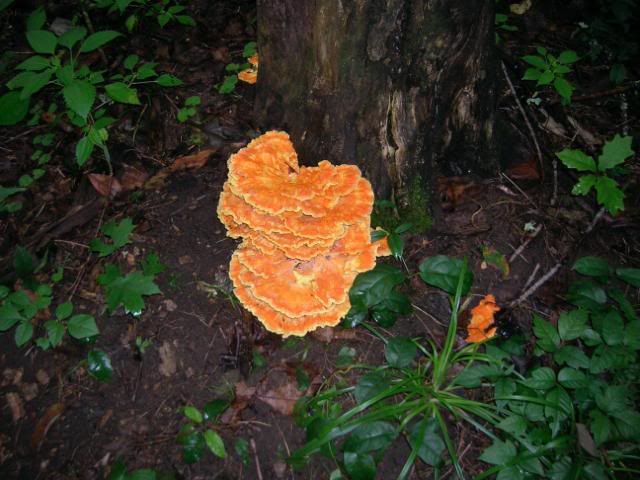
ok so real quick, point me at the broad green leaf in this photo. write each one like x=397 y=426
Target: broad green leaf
x=601 y=426
x=396 y=245
x=513 y=424
x=370 y=437
x=503 y=388
x=547 y=335
x=370 y=288
x=119 y=234
x=303 y=380
x=577 y=160
x=625 y=305
x=186 y=20
x=193 y=447
x=632 y=334
x=609 y=194
x=215 y=443
x=568 y=57
x=496 y=259
x=147 y=70
x=571 y=325
x=250 y=48
x=23 y=333
x=536 y=61
x=472 y=377
x=9 y=316
x=545 y=78
x=82 y=326
x=13 y=108
x=99 y=365
x=131 y=61
x=499 y=453
x=614 y=399
x=192 y=101
x=561 y=470
x=55 y=332
x=23 y=262
x=6 y=193
x=572 y=356
x=359 y=466
x=383 y=316
x=122 y=93
x=241 y=446
x=563 y=87
x=193 y=414
x=84 y=149
x=542 y=378
x=532 y=74
x=64 y=310
x=610 y=326
x=166 y=80
x=228 y=85
x=603 y=359
x=370 y=385
x=142 y=474
x=213 y=409
x=37 y=19
x=443 y=272
x=572 y=378
x=618 y=73
x=151 y=265
x=129 y=291
x=35 y=63
x=593 y=267
x=42 y=41
x=79 y=96
x=426 y=440
x=558 y=409
x=97 y=40
x=587 y=295
x=615 y=152
x=511 y=473
x=629 y=275
x=72 y=36
x=400 y=352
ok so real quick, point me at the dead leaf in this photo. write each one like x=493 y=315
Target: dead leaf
x=283 y=398
x=525 y=171
x=105 y=185
x=244 y=392
x=42 y=377
x=170 y=305
x=15 y=405
x=132 y=178
x=167 y=360
x=453 y=190
x=586 y=440
x=29 y=391
x=221 y=54
x=192 y=162
x=45 y=423
x=12 y=376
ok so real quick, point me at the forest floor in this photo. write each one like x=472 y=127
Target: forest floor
x=59 y=422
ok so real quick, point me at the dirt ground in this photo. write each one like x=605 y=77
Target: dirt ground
x=71 y=426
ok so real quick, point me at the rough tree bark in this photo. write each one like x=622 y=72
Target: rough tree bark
x=399 y=87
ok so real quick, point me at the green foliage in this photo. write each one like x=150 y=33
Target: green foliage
x=374 y=295
x=57 y=68
x=614 y=153
x=99 y=365
x=199 y=432
x=127 y=290
x=575 y=408
x=230 y=82
x=164 y=11
x=189 y=109
x=547 y=69
x=409 y=397
x=502 y=23
x=19 y=308
x=118 y=233
x=119 y=472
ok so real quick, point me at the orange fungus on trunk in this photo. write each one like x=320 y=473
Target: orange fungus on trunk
x=306 y=234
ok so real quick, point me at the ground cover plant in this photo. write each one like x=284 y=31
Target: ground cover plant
x=498 y=338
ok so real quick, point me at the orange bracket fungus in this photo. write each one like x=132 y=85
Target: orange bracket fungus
x=482 y=325
x=305 y=233
x=250 y=75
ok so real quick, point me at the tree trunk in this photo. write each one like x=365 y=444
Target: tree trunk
x=402 y=88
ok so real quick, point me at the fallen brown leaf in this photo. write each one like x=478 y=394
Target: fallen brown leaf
x=132 y=178
x=45 y=423
x=195 y=161
x=525 y=171
x=167 y=360
x=15 y=406
x=105 y=185
x=283 y=398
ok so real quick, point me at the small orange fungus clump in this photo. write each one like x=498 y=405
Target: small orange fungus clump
x=306 y=235
x=482 y=325
x=250 y=75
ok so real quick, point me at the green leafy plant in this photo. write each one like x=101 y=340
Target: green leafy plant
x=574 y=412
x=142 y=344
x=18 y=309
x=411 y=396
x=164 y=11
x=374 y=295
x=6 y=205
x=229 y=83
x=199 y=432
x=127 y=290
x=189 y=109
x=502 y=23
x=79 y=326
x=99 y=365
x=547 y=69
x=119 y=472
x=394 y=238
x=614 y=153
x=118 y=233
x=72 y=79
